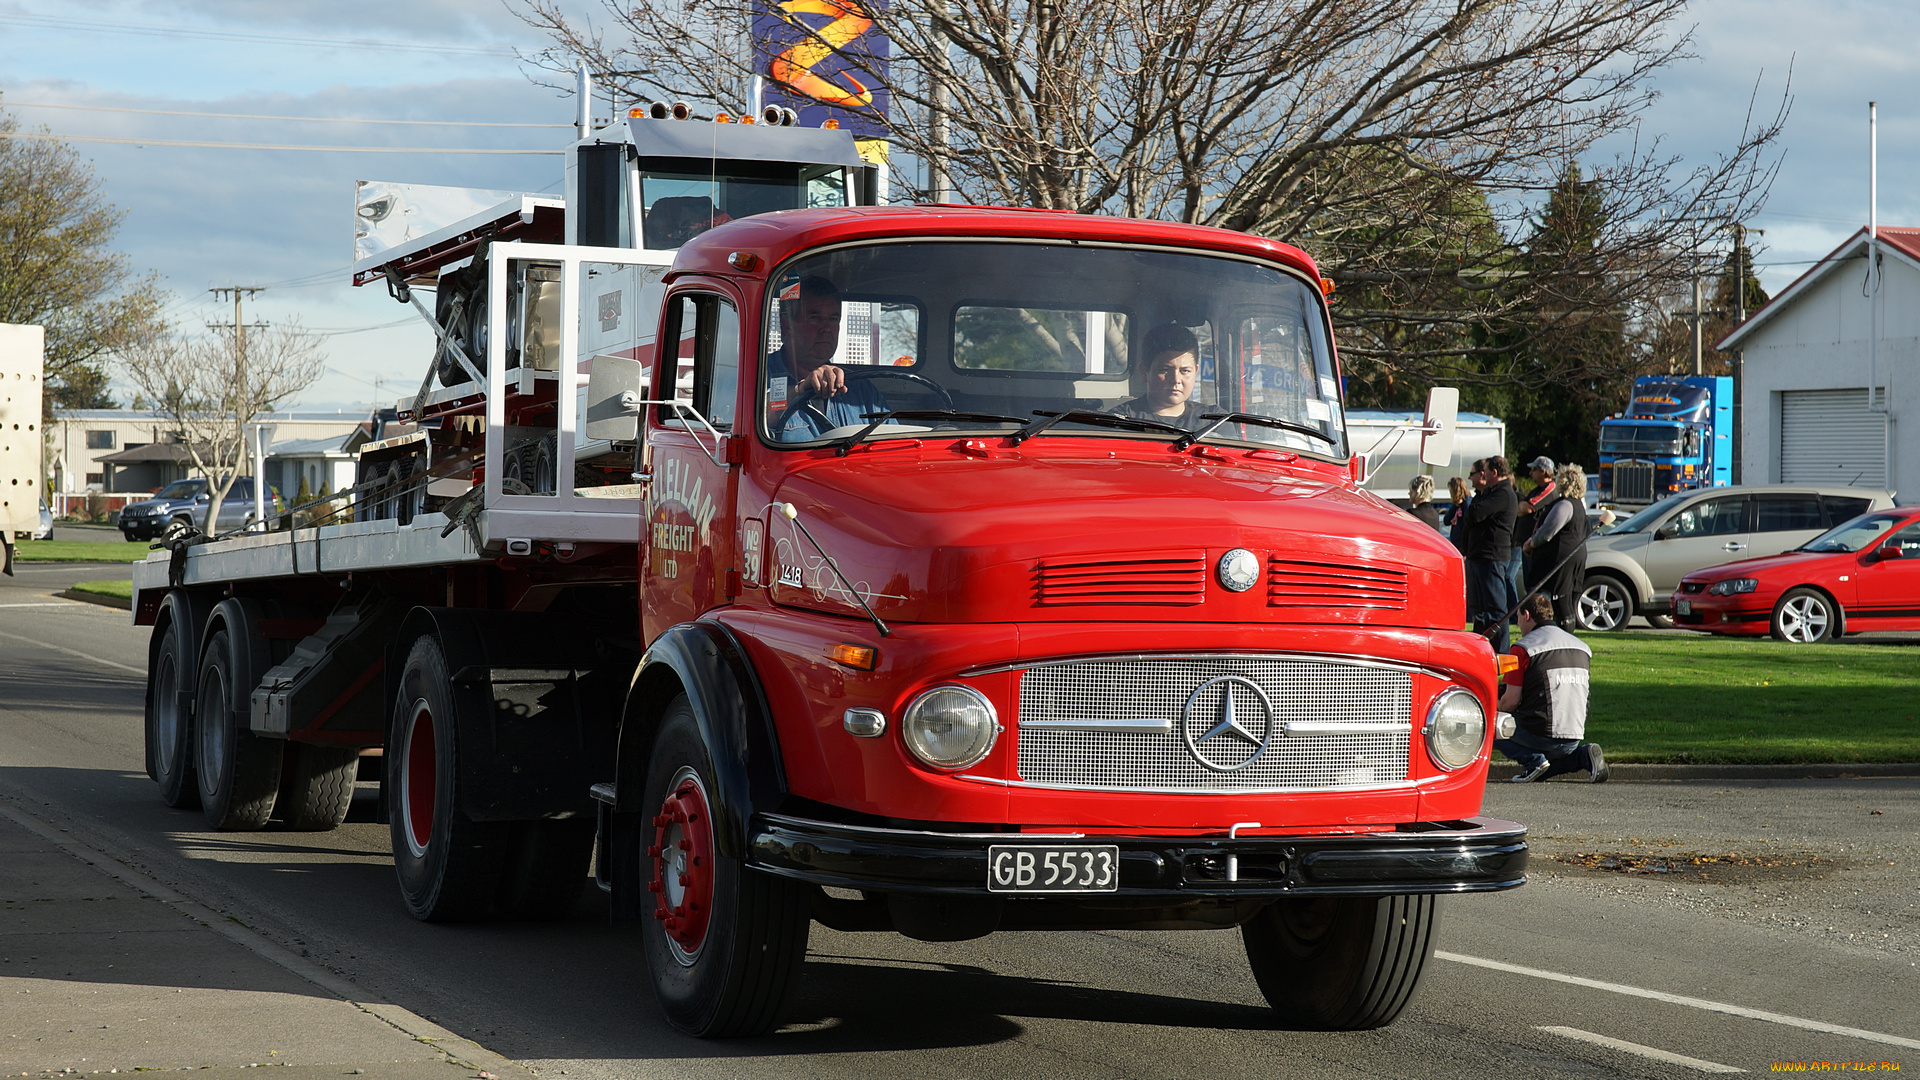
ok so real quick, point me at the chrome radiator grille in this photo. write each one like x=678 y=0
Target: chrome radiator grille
x=1118 y=724
x=1633 y=481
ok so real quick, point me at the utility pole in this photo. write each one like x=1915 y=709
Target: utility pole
x=239 y=327
x=1698 y=360
x=1740 y=259
x=939 y=181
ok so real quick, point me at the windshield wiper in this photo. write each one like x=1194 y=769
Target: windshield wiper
x=877 y=419
x=1089 y=416
x=1219 y=419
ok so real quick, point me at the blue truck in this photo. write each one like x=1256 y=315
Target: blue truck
x=1676 y=435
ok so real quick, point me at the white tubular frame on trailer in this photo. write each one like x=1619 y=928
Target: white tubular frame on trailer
x=562 y=516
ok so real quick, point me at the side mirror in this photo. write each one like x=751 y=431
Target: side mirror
x=203 y=497
x=1666 y=532
x=1443 y=412
x=1892 y=550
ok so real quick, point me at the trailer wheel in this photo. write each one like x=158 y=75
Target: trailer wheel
x=317 y=790
x=170 y=719
x=724 y=941
x=546 y=868
x=448 y=864
x=238 y=771
x=1341 y=963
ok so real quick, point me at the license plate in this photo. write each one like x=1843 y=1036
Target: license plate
x=1054 y=868
x=1683 y=607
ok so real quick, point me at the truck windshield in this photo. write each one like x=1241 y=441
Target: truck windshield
x=1856 y=535
x=681 y=205
x=993 y=337
x=1659 y=440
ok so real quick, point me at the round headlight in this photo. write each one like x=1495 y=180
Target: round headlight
x=950 y=727
x=1456 y=729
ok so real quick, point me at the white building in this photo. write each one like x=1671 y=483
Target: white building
x=1805 y=416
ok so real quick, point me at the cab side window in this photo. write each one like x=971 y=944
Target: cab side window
x=704 y=358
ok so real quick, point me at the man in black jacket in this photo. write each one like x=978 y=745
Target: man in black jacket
x=1489 y=548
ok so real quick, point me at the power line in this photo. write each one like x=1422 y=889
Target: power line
x=304 y=119
x=322 y=332
x=62 y=22
x=43 y=137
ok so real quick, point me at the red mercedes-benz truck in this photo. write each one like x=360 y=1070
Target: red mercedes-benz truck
x=771 y=558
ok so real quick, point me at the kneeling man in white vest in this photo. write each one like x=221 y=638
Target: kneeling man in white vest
x=1544 y=701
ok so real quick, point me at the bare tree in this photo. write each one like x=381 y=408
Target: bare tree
x=57 y=268
x=1407 y=144
x=211 y=389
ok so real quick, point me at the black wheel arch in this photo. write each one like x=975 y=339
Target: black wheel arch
x=707 y=662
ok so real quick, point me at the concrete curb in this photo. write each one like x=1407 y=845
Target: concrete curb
x=457 y=1050
x=1502 y=771
x=121 y=602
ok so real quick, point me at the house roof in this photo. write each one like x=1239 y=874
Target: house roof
x=160 y=451
x=1903 y=243
x=332 y=447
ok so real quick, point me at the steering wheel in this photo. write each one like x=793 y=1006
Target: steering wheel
x=810 y=399
x=865 y=371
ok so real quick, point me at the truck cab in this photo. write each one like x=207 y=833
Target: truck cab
x=933 y=570
x=1676 y=435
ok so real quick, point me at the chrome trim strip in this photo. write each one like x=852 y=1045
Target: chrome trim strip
x=1390 y=785
x=1340 y=727
x=1145 y=725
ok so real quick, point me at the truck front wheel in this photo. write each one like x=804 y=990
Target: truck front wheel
x=723 y=941
x=448 y=865
x=1341 y=963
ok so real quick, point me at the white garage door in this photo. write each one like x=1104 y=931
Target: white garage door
x=1829 y=437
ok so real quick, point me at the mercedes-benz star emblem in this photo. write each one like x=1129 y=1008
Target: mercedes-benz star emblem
x=1219 y=742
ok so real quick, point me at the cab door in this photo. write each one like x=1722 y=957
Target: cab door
x=1703 y=533
x=687 y=536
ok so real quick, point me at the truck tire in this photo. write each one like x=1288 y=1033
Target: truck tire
x=238 y=772
x=317 y=790
x=723 y=941
x=546 y=868
x=1341 y=963
x=170 y=720
x=448 y=864
x=1606 y=603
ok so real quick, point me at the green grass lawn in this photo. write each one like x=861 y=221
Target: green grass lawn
x=1710 y=700
x=121 y=589
x=82 y=551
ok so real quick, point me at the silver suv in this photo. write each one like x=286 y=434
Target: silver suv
x=1634 y=567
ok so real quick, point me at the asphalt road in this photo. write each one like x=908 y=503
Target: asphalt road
x=1732 y=924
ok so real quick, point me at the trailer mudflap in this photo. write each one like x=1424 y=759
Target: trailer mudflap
x=536 y=698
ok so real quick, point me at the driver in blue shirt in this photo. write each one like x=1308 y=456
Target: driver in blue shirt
x=818 y=395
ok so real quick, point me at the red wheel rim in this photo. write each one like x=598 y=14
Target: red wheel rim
x=682 y=858
x=422 y=775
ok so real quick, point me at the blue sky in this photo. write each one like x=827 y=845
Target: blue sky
x=205 y=217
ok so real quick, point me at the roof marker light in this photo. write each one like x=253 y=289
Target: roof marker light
x=830 y=125
x=723 y=118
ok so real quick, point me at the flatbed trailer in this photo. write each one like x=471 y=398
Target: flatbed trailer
x=848 y=563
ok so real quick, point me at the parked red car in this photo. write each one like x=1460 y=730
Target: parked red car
x=1861 y=575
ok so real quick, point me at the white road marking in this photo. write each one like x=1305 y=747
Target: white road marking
x=1690 y=1002
x=76 y=652
x=1643 y=1051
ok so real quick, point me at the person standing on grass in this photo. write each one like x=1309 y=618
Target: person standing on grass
x=1489 y=547
x=1456 y=520
x=1546 y=698
x=1540 y=470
